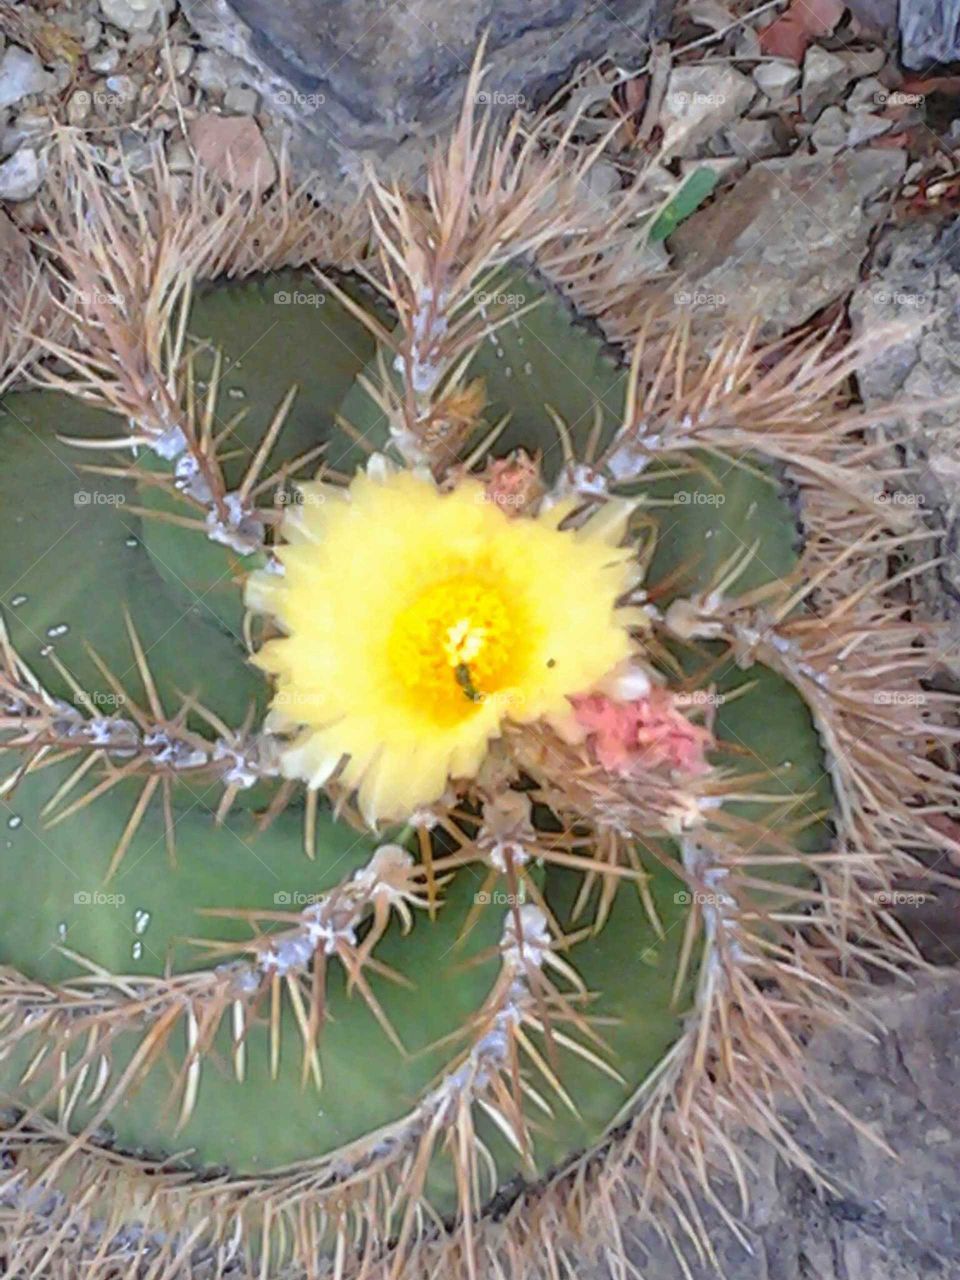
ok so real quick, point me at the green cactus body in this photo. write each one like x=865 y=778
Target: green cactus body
x=361 y=1028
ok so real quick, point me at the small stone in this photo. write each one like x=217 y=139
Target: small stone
x=78 y=108
x=91 y=35
x=216 y=73
x=105 y=61
x=722 y=166
x=29 y=127
x=21 y=74
x=867 y=94
x=936 y=1136
x=829 y=134
x=136 y=151
x=20 y=175
x=777 y=78
x=233 y=148
x=181 y=59
x=753 y=139
x=132 y=15
x=864 y=125
x=700 y=100
x=602 y=179
x=241 y=102
x=825 y=76
x=179 y=157
x=123 y=88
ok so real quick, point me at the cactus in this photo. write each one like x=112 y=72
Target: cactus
x=446 y=753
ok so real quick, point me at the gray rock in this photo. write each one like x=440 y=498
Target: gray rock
x=916 y=278
x=825 y=76
x=867 y=95
x=363 y=78
x=929 y=32
x=864 y=125
x=215 y=73
x=27 y=128
x=20 y=176
x=21 y=74
x=701 y=98
x=829 y=135
x=786 y=239
x=104 y=61
x=240 y=101
x=753 y=139
x=181 y=59
x=777 y=78
x=134 y=15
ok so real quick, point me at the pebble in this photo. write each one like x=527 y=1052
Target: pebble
x=701 y=99
x=867 y=94
x=20 y=176
x=92 y=34
x=131 y=15
x=825 y=76
x=105 y=61
x=28 y=128
x=241 y=102
x=864 y=125
x=179 y=157
x=829 y=134
x=216 y=73
x=753 y=139
x=776 y=79
x=21 y=74
x=181 y=59
x=234 y=149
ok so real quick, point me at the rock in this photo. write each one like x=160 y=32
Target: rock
x=28 y=127
x=78 y=108
x=123 y=88
x=825 y=76
x=133 y=15
x=241 y=102
x=929 y=32
x=92 y=34
x=916 y=278
x=181 y=59
x=602 y=179
x=233 y=148
x=829 y=134
x=216 y=74
x=723 y=166
x=365 y=78
x=777 y=78
x=104 y=61
x=864 y=125
x=700 y=100
x=867 y=94
x=21 y=74
x=753 y=139
x=20 y=176
x=180 y=157
x=786 y=239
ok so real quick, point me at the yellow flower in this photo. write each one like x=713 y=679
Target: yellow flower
x=417 y=622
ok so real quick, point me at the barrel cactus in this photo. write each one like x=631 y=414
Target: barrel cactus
x=454 y=748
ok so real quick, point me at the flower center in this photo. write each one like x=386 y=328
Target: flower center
x=455 y=645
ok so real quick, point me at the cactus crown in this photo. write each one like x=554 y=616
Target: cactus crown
x=441 y=749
